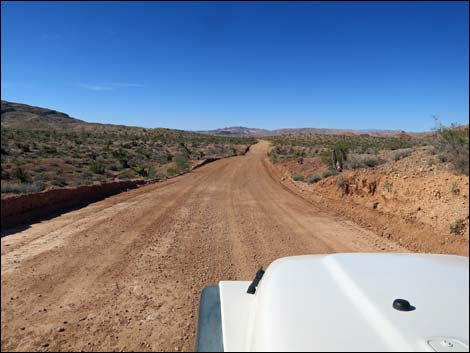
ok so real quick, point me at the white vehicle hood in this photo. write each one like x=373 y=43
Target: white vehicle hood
x=343 y=302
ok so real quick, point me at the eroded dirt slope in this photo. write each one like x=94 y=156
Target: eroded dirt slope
x=126 y=273
x=411 y=201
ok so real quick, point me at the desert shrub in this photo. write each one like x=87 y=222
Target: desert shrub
x=142 y=171
x=159 y=176
x=363 y=161
x=48 y=150
x=329 y=172
x=21 y=175
x=452 y=144
x=25 y=148
x=87 y=181
x=312 y=179
x=171 y=171
x=272 y=157
x=59 y=181
x=298 y=177
x=39 y=169
x=41 y=177
x=388 y=186
x=181 y=162
x=401 y=153
x=22 y=188
x=123 y=176
x=97 y=167
x=457 y=227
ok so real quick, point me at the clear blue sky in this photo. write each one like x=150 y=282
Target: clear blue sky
x=269 y=65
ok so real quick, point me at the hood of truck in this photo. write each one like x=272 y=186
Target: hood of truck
x=344 y=302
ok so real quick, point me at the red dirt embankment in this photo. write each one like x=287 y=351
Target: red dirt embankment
x=25 y=208
x=411 y=201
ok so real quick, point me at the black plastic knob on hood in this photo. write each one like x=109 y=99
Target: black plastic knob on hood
x=402 y=305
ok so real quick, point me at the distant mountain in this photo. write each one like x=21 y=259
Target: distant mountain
x=238 y=131
x=17 y=115
x=252 y=132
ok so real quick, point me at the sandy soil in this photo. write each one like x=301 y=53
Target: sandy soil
x=126 y=273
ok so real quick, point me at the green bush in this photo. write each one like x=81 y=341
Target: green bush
x=142 y=171
x=388 y=186
x=312 y=179
x=181 y=163
x=401 y=153
x=159 y=176
x=457 y=227
x=273 y=157
x=298 y=177
x=363 y=161
x=452 y=143
x=21 y=175
x=59 y=181
x=97 y=167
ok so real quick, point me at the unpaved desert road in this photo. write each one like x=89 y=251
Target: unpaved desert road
x=126 y=273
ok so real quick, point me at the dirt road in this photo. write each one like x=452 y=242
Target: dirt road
x=126 y=273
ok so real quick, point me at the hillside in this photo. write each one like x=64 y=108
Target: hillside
x=21 y=116
x=43 y=149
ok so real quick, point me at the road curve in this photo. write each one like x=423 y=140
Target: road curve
x=126 y=273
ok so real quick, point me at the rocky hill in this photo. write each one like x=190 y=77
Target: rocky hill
x=17 y=115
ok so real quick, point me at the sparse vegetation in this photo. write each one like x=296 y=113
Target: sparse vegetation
x=36 y=186
x=457 y=227
x=95 y=153
x=452 y=146
x=21 y=175
x=388 y=186
x=298 y=177
x=181 y=163
x=342 y=152
x=312 y=179
x=363 y=161
x=401 y=153
x=272 y=157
